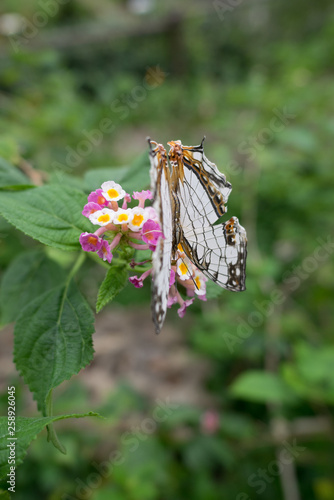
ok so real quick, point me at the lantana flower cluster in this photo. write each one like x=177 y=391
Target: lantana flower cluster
x=107 y=208
x=116 y=221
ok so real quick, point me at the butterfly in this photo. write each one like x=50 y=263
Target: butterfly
x=189 y=198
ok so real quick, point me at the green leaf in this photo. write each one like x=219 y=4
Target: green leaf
x=50 y=214
x=29 y=275
x=26 y=429
x=115 y=280
x=4 y=495
x=17 y=187
x=261 y=387
x=10 y=175
x=53 y=340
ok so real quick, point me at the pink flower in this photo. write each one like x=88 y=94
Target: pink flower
x=172 y=296
x=210 y=422
x=139 y=282
x=90 y=242
x=151 y=214
x=182 y=310
x=142 y=196
x=127 y=199
x=172 y=278
x=97 y=197
x=191 y=293
x=90 y=208
x=151 y=232
x=105 y=251
x=172 y=299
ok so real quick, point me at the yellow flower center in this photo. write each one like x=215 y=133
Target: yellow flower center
x=198 y=282
x=179 y=247
x=137 y=219
x=104 y=218
x=101 y=200
x=122 y=217
x=113 y=193
x=183 y=268
x=92 y=240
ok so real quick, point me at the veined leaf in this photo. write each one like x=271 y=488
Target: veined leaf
x=29 y=275
x=115 y=280
x=50 y=214
x=53 y=340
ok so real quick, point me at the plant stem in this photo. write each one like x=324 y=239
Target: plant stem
x=52 y=435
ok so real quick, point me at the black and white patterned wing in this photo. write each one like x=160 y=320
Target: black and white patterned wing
x=162 y=256
x=218 y=251
x=191 y=166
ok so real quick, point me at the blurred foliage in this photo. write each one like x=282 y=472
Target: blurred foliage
x=259 y=85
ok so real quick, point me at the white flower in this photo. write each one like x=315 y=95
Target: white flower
x=112 y=191
x=180 y=252
x=122 y=216
x=200 y=281
x=102 y=217
x=184 y=269
x=139 y=217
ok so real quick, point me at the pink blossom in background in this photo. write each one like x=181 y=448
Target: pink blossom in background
x=210 y=422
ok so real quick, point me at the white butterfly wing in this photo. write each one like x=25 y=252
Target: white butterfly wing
x=162 y=256
x=207 y=183
x=218 y=251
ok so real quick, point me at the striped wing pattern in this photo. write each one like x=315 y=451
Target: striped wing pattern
x=162 y=256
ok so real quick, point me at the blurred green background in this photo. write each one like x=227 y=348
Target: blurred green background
x=235 y=401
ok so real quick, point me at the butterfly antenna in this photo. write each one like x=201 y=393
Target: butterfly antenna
x=149 y=142
x=203 y=141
